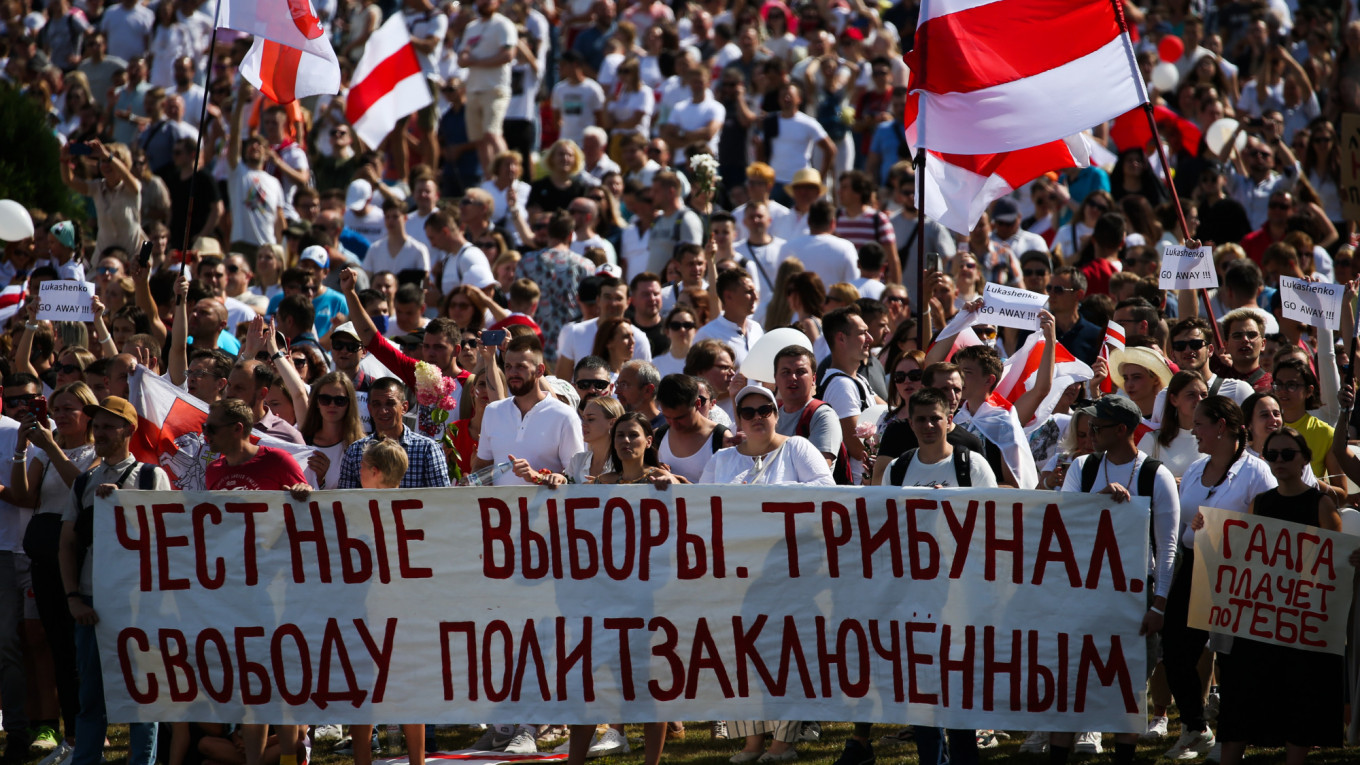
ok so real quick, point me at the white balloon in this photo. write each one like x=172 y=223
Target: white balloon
x=1350 y=521
x=1216 y=137
x=759 y=362
x=15 y=222
x=1165 y=76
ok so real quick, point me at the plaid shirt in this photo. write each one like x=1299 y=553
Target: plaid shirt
x=428 y=468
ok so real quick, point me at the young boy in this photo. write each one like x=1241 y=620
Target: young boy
x=383 y=465
x=935 y=462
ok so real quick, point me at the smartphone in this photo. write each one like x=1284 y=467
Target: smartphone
x=80 y=150
x=493 y=337
x=932 y=261
x=38 y=408
x=144 y=257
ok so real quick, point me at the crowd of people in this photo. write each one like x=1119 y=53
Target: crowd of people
x=542 y=245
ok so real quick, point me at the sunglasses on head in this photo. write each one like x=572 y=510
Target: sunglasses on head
x=1279 y=455
x=682 y=326
x=592 y=384
x=752 y=412
x=1194 y=345
x=326 y=399
x=913 y=375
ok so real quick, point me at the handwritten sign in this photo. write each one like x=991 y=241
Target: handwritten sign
x=580 y=604
x=65 y=300
x=1010 y=307
x=1316 y=304
x=1272 y=581
x=1187 y=269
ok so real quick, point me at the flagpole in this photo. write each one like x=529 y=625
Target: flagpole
x=198 y=151
x=921 y=247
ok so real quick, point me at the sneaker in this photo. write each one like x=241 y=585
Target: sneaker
x=44 y=738
x=522 y=742
x=718 y=729
x=327 y=733
x=986 y=739
x=788 y=755
x=1088 y=743
x=606 y=742
x=16 y=745
x=743 y=757
x=494 y=738
x=1035 y=743
x=811 y=731
x=856 y=753
x=59 y=755
x=1192 y=745
x=903 y=735
x=1215 y=753
x=1156 y=729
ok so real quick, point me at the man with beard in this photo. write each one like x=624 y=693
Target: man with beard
x=531 y=426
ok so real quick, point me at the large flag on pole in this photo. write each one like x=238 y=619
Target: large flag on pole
x=999 y=75
x=291 y=57
x=387 y=84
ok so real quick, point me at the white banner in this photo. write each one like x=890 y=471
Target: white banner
x=957 y=607
x=1316 y=304
x=1010 y=306
x=1273 y=581
x=1187 y=269
x=65 y=300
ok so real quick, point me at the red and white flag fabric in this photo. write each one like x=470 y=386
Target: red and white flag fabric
x=999 y=75
x=291 y=56
x=996 y=421
x=1114 y=339
x=1021 y=373
x=170 y=431
x=387 y=85
x=11 y=300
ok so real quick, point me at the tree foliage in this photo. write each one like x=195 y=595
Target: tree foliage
x=29 y=156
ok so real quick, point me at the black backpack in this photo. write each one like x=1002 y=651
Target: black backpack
x=1147 y=475
x=840 y=471
x=963 y=476
x=715 y=441
x=820 y=393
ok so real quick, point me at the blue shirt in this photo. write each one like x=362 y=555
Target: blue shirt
x=887 y=138
x=427 y=466
x=225 y=342
x=327 y=305
x=1083 y=340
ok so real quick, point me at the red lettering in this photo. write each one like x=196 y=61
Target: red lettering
x=495 y=539
x=579 y=540
x=1109 y=672
x=1228 y=525
x=158 y=513
x=613 y=507
x=447 y=629
x=667 y=650
x=651 y=537
x=497 y=629
x=963 y=666
x=333 y=650
x=304 y=660
x=250 y=669
x=962 y=533
x=1040 y=678
x=790 y=509
x=691 y=555
x=202 y=512
x=704 y=655
x=579 y=655
x=175 y=654
x=837 y=532
x=528 y=644
x=137 y=637
x=1106 y=546
x=316 y=536
x=222 y=692
x=624 y=625
x=887 y=535
x=992 y=666
x=996 y=545
x=918 y=539
x=140 y=545
x=248 y=511
x=356 y=560
x=381 y=655
x=1055 y=532
x=405 y=536
x=914 y=657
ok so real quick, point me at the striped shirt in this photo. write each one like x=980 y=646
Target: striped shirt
x=872 y=226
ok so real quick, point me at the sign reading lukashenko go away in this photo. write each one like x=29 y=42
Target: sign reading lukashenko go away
x=957 y=607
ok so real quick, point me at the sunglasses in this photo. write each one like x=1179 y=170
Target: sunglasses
x=232 y=268
x=1281 y=206
x=1057 y=289
x=299 y=362
x=896 y=299
x=752 y=412
x=599 y=385
x=468 y=344
x=105 y=270
x=1279 y=455
x=682 y=326
x=1096 y=427
x=913 y=375
x=67 y=369
x=341 y=345
x=210 y=428
x=1036 y=272
x=326 y=399
x=18 y=402
x=1194 y=345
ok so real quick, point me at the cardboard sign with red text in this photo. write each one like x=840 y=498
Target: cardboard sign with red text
x=1272 y=581
x=959 y=608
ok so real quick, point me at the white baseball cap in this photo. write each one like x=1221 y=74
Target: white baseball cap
x=316 y=254
x=358 y=194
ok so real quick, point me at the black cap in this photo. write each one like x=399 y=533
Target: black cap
x=1117 y=409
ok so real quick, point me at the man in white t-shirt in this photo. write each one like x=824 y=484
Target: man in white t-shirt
x=797 y=134
x=396 y=252
x=127 y=27
x=822 y=252
x=576 y=340
x=465 y=263
x=699 y=118
x=734 y=327
x=287 y=160
x=761 y=251
x=577 y=101
x=486 y=51
x=584 y=212
x=427 y=27
x=256 y=197
x=841 y=386
x=425 y=192
x=934 y=462
x=531 y=427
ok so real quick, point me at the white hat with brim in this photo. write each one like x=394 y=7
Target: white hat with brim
x=1146 y=358
x=806 y=177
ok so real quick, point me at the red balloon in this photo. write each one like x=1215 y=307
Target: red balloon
x=1170 y=48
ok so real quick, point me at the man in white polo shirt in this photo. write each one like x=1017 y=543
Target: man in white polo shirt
x=397 y=251
x=735 y=327
x=576 y=340
x=832 y=258
x=531 y=427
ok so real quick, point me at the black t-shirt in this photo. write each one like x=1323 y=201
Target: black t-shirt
x=898 y=437
x=201 y=187
x=545 y=195
x=1222 y=222
x=656 y=335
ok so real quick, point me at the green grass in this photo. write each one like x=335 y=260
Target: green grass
x=698 y=749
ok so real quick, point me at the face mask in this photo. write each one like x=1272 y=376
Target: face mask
x=381 y=323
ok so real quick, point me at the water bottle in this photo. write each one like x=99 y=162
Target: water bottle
x=395 y=742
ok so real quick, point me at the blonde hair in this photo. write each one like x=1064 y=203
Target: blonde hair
x=843 y=292
x=578 y=157
x=388 y=458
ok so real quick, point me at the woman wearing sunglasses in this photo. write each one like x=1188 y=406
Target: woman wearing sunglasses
x=1073 y=235
x=905 y=380
x=1257 y=675
x=330 y=425
x=1226 y=477
x=681 y=326
x=765 y=457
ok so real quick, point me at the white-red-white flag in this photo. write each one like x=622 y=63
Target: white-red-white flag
x=170 y=431
x=1021 y=374
x=1000 y=75
x=387 y=85
x=291 y=56
x=11 y=300
x=996 y=421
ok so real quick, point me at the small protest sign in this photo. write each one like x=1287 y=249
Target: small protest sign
x=1184 y=268
x=1011 y=307
x=1316 y=304
x=65 y=300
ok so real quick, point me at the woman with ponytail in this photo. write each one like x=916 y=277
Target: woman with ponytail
x=1173 y=444
x=1227 y=477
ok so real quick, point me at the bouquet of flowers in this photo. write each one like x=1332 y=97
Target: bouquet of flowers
x=435 y=391
x=705 y=169
x=868 y=433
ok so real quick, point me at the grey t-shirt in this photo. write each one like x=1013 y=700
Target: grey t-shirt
x=824 y=431
x=683 y=227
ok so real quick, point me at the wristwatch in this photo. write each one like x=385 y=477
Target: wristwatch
x=279 y=355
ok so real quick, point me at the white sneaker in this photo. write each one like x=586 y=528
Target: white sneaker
x=327 y=733
x=1156 y=729
x=494 y=738
x=1036 y=742
x=1088 y=743
x=608 y=741
x=523 y=742
x=59 y=755
x=1192 y=745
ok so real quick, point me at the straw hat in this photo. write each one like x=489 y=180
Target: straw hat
x=1146 y=358
x=806 y=177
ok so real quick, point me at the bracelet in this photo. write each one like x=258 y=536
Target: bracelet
x=102 y=340
x=278 y=355
x=1157 y=610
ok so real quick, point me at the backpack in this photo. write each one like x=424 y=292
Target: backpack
x=146 y=480
x=840 y=471
x=864 y=402
x=963 y=476
x=715 y=442
x=1147 y=474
